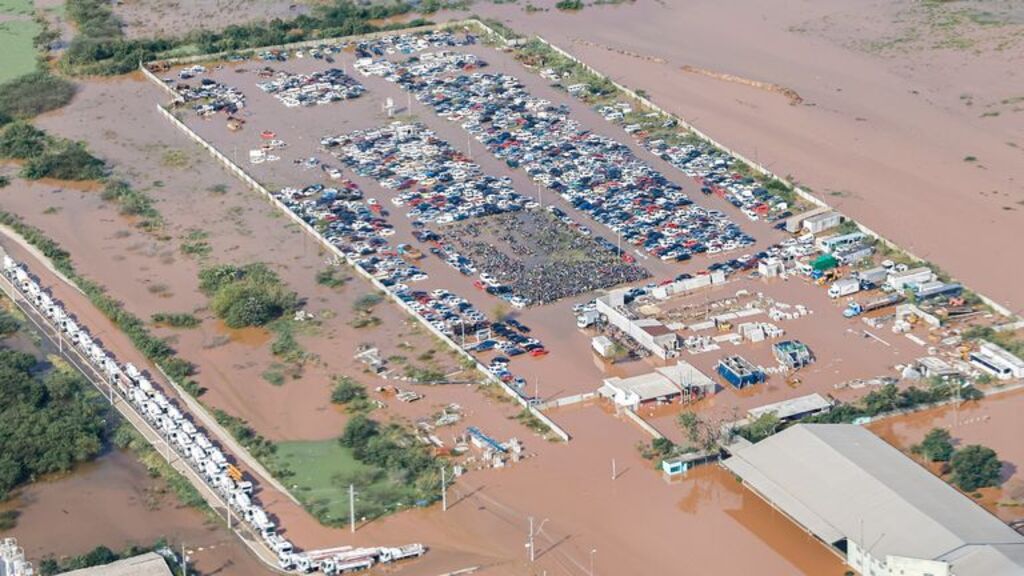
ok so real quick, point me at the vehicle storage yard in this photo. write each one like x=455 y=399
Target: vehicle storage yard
x=555 y=245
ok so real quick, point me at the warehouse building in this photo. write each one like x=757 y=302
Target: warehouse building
x=149 y=564
x=997 y=361
x=662 y=385
x=879 y=510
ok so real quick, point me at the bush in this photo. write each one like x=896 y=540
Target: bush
x=33 y=94
x=257 y=445
x=569 y=5
x=22 y=141
x=100 y=47
x=250 y=295
x=132 y=202
x=47 y=423
x=8 y=323
x=937 y=446
x=65 y=160
x=975 y=467
x=367 y=302
x=176 y=320
x=347 y=390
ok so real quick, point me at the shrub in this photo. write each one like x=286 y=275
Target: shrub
x=176 y=320
x=975 y=467
x=937 y=446
x=33 y=94
x=250 y=295
x=131 y=201
x=22 y=141
x=571 y=5
x=65 y=160
x=347 y=390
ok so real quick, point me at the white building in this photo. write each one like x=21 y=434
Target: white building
x=998 y=362
x=821 y=222
x=648 y=332
x=880 y=511
x=662 y=385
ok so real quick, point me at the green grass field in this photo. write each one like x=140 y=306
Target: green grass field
x=17 y=29
x=323 y=471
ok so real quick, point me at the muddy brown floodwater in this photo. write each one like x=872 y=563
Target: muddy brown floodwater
x=113 y=502
x=993 y=422
x=912 y=127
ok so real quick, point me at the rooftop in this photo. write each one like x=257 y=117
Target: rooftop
x=149 y=564
x=841 y=481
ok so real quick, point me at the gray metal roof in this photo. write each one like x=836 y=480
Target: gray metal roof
x=840 y=480
x=148 y=564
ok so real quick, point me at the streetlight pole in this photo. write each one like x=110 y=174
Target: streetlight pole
x=530 y=542
x=592 y=552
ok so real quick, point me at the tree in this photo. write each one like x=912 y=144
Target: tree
x=974 y=467
x=937 y=446
x=346 y=390
x=764 y=426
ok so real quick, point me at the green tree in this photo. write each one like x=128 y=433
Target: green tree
x=346 y=390
x=937 y=446
x=974 y=467
x=761 y=428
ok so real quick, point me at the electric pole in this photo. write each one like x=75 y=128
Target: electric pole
x=352 y=507
x=530 y=544
x=444 y=492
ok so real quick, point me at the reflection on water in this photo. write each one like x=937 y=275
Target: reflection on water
x=711 y=487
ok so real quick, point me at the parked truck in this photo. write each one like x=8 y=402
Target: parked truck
x=856 y=308
x=844 y=287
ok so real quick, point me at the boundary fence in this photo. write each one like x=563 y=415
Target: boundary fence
x=764 y=171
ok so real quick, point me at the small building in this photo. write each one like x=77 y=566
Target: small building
x=873 y=277
x=739 y=372
x=821 y=222
x=997 y=361
x=794 y=223
x=636 y=390
x=792 y=354
x=662 y=385
x=603 y=345
x=900 y=280
x=792 y=409
x=771 y=267
x=935 y=367
x=678 y=465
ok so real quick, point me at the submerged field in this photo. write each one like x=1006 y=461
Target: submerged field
x=17 y=30
x=323 y=472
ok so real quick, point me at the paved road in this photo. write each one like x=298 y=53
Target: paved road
x=75 y=358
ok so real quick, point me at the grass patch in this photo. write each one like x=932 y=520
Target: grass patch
x=19 y=54
x=321 y=474
x=176 y=320
x=195 y=244
x=332 y=277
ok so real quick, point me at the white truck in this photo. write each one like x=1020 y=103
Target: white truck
x=844 y=287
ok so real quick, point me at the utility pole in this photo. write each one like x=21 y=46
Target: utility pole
x=592 y=552
x=530 y=544
x=614 y=474
x=184 y=561
x=444 y=491
x=352 y=507
x=540 y=200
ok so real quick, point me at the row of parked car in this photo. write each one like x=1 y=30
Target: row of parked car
x=314 y=89
x=192 y=444
x=435 y=182
x=356 y=226
x=596 y=174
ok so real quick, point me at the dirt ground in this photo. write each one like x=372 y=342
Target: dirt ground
x=908 y=108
